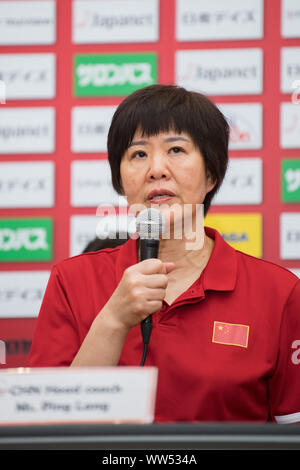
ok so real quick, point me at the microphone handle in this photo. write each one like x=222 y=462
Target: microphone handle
x=148 y=249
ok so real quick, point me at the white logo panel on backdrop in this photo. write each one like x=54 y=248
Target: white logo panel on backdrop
x=90 y=125
x=21 y=293
x=242 y=183
x=290 y=68
x=120 y=21
x=216 y=20
x=246 y=128
x=91 y=184
x=289 y=126
x=295 y=271
x=28 y=76
x=27 y=22
x=84 y=228
x=290 y=18
x=221 y=72
x=26 y=184
x=290 y=235
x=27 y=130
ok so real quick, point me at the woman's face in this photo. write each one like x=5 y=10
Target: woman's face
x=164 y=169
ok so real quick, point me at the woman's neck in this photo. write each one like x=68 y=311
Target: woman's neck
x=185 y=254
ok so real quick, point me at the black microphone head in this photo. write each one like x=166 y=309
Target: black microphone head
x=150 y=224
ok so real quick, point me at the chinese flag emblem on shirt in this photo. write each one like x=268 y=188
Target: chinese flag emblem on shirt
x=231 y=334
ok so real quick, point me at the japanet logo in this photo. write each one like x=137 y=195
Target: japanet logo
x=25 y=239
x=108 y=22
x=113 y=74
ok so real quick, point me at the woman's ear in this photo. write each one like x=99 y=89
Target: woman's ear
x=210 y=182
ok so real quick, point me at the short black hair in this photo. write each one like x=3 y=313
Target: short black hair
x=161 y=108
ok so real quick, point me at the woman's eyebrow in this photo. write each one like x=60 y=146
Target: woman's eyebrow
x=168 y=139
x=138 y=142
x=174 y=139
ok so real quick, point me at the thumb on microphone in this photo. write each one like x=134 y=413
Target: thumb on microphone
x=167 y=267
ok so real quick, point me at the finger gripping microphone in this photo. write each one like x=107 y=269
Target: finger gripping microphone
x=149 y=225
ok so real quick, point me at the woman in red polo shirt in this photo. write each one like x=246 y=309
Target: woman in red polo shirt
x=226 y=326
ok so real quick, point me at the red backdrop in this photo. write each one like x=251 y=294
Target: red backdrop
x=20 y=329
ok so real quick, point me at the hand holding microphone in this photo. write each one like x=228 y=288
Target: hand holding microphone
x=142 y=288
x=149 y=225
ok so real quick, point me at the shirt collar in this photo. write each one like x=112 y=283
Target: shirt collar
x=219 y=274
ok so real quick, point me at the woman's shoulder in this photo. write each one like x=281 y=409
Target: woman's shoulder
x=265 y=269
x=82 y=263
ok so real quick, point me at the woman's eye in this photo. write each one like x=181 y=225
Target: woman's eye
x=139 y=154
x=176 y=149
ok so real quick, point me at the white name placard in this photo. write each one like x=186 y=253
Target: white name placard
x=77 y=395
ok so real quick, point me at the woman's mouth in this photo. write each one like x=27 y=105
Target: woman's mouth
x=160 y=196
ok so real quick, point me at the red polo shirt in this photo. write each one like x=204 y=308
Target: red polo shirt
x=227 y=349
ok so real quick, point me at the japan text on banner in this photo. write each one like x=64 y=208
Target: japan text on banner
x=230 y=334
x=113 y=74
x=26 y=239
x=290 y=180
x=242 y=231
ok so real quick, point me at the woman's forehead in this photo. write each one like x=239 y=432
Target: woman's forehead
x=170 y=134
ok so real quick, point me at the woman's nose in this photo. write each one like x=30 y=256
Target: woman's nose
x=158 y=168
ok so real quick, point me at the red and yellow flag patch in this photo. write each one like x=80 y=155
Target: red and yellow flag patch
x=231 y=334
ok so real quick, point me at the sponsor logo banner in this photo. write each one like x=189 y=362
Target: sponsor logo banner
x=290 y=235
x=114 y=74
x=290 y=18
x=216 y=20
x=221 y=72
x=82 y=231
x=26 y=239
x=289 y=125
x=21 y=293
x=113 y=22
x=290 y=68
x=16 y=335
x=85 y=228
x=2 y=92
x=242 y=231
x=26 y=184
x=27 y=22
x=295 y=271
x=91 y=184
x=290 y=180
x=242 y=183
x=28 y=76
x=90 y=126
x=245 y=121
x=27 y=130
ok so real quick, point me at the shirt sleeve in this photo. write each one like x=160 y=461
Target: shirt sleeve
x=285 y=383
x=56 y=339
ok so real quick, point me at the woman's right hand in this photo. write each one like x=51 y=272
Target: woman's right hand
x=139 y=294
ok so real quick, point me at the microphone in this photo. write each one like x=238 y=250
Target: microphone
x=149 y=225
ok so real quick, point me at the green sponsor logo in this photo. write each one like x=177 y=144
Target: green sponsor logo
x=25 y=239
x=114 y=74
x=290 y=180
